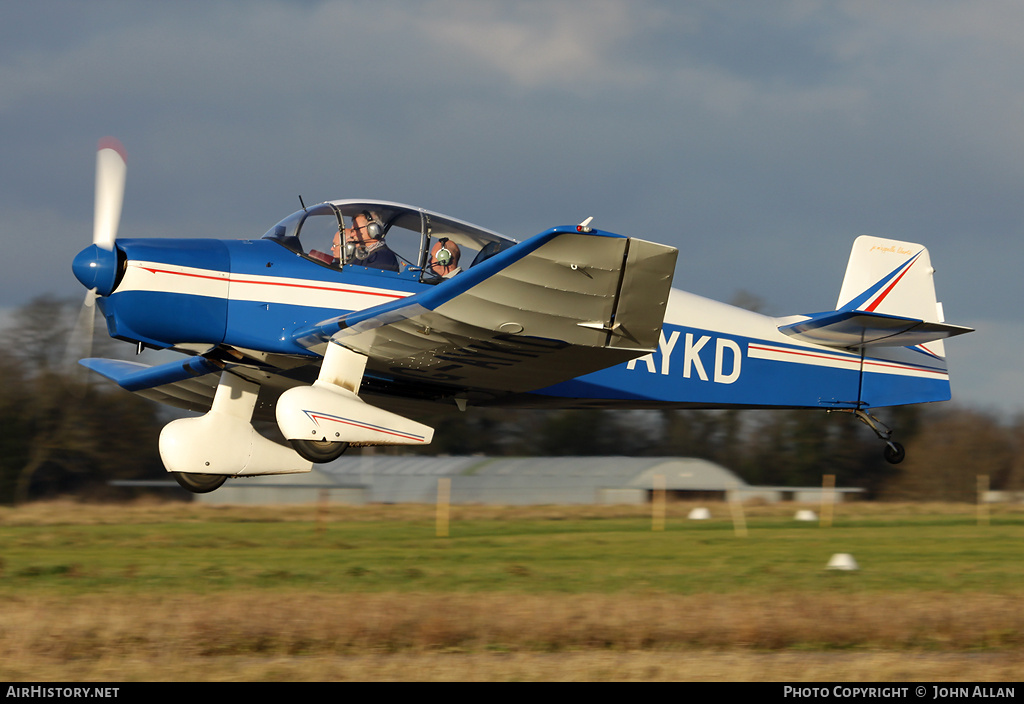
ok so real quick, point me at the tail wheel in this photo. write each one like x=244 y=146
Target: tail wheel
x=199 y=483
x=319 y=451
x=894 y=453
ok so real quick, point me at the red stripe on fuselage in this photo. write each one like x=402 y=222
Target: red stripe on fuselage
x=831 y=358
x=272 y=283
x=854 y=360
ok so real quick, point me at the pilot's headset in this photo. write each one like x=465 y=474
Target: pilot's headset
x=374 y=226
x=444 y=255
x=374 y=230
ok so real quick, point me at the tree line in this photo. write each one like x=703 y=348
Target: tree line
x=60 y=433
x=64 y=433
x=948 y=446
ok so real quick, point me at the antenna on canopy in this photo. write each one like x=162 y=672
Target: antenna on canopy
x=302 y=203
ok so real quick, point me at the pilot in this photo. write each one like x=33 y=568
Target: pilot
x=364 y=243
x=444 y=259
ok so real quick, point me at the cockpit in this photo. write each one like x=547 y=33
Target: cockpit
x=394 y=239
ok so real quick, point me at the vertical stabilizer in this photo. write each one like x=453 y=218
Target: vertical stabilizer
x=889 y=277
x=887 y=300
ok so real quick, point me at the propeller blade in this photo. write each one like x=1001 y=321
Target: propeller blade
x=81 y=337
x=110 y=175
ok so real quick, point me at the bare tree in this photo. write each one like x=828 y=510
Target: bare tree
x=954 y=447
x=59 y=432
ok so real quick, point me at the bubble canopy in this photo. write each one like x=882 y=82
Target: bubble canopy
x=408 y=231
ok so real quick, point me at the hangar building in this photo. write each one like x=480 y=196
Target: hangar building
x=373 y=478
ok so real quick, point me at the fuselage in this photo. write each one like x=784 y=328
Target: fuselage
x=254 y=295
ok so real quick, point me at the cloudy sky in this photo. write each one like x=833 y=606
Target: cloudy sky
x=758 y=137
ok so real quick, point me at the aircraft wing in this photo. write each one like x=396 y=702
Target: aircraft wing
x=557 y=306
x=182 y=383
x=190 y=383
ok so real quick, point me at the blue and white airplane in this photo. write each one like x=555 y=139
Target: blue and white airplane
x=406 y=310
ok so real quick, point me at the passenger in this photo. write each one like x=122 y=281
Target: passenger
x=444 y=259
x=364 y=243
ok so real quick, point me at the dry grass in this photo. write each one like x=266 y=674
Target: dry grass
x=496 y=636
x=254 y=635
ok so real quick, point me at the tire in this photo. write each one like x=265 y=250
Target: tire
x=319 y=451
x=199 y=483
x=894 y=453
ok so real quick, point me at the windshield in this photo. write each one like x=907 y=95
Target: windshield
x=387 y=237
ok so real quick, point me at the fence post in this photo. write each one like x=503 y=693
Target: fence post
x=658 y=503
x=828 y=499
x=444 y=491
x=982 y=503
x=739 y=519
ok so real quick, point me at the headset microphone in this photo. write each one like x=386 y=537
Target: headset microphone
x=356 y=251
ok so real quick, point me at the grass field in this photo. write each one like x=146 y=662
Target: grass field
x=185 y=592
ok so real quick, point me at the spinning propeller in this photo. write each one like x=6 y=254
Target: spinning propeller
x=110 y=173
x=96 y=266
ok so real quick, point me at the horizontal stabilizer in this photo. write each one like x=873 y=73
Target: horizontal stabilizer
x=852 y=328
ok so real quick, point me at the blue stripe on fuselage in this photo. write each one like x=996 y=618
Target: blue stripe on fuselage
x=712 y=369
x=164 y=319
x=262 y=322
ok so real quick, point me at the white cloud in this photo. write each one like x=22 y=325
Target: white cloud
x=562 y=44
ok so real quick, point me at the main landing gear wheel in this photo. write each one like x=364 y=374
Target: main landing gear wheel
x=319 y=451
x=199 y=483
x=894 y=453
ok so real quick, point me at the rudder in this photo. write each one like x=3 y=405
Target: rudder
x=890 y=277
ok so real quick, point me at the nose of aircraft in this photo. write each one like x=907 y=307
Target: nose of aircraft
x=96 y=268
